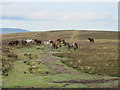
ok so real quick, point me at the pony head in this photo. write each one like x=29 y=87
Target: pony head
x=88 y=38
x=35 y=40
x=51 y=41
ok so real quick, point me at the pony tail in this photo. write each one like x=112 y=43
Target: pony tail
x=76 y=45
x=63 y=41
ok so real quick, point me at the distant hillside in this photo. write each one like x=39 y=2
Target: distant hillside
x=12 y=30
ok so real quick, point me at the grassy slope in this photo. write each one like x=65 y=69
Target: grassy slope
x=103 y=52
x=17 y=78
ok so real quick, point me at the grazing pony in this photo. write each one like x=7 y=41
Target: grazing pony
x=55 y=44
x=38 y=41
x=61 y=40
x=47 y=43
x=23 y=42
x=13 y=42
x=29 y=41
x=71 y=45
x=91 y=40
x=16 y=42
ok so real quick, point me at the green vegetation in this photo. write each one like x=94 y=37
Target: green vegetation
x=34 y=66
x=100 y=58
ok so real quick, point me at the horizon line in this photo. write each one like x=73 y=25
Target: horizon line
x=64 y=29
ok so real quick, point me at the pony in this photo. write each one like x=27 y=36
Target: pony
x=55 y=44
x=23 y=41
x=61 y=40
x=29 y=41
x=91 y=40
x=71 y=45
x=47 y=43
x=16 y=42
x=37 y=41
x=13 y=42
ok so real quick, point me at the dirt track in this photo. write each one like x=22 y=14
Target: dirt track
x=89 y=81
x=49 y=61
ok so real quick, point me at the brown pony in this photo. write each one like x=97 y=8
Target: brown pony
x=71 y=45
x=23 y=42
x=55 y=44
x=61 y=40
x=13 y=42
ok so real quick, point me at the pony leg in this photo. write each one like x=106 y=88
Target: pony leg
x=74 y=49
x=52 y=47
x=69 y=48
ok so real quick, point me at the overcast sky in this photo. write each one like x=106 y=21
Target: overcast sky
x=60 y=15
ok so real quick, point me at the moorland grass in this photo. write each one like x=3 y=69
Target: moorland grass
x=99 y=58
x=90 y=57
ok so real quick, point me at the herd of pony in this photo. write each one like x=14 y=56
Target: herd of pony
x=57 y=44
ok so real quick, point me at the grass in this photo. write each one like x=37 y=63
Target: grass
x=76 y=86
x=100 y=58
x=23 y=80
x=92 y=61
x=17 y=78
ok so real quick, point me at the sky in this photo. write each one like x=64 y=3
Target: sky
x=39 y=16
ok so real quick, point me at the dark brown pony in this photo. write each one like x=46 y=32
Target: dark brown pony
x=38 y=41
x=23 y=42
x=13 y=42
x=91 y=40
x=61 y=40
x=55 y=44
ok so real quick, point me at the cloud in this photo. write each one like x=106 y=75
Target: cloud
x=60 y=0
x=84 y=16
x=23 y=15
x=22 y=18
x=12 y=18
x=5 y=21
x=22 y=12
x=114 y=18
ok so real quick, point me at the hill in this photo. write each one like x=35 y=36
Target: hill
x=92 y=65
x=12 y=30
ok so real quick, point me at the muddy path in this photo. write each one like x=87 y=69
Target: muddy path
x=89 y=81
x=50 y=60
x=52 y=63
